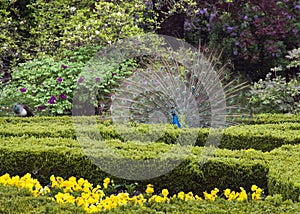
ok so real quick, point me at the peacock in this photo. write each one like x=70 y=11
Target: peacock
x=174 y=83
x=22 y=110
x=187 y=91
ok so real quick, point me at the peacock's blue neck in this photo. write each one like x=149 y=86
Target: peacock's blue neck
x=176 y=121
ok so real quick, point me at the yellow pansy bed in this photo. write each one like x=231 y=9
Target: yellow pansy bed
x=82 y=193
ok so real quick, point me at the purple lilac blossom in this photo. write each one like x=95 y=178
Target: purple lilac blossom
x=80 y=80
x=63 y=96
x=64 y=66
x=22 y=90
x=42 y=107
x=52 y=100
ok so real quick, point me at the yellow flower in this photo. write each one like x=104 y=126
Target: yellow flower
x=123 y=198
x=208 y=196
x=256 y=196
x=189 y=196
x=26 y=177
x=242 y=195
x=159 y=199
x=149 y=189
x=96 y=189
x=59 y=180
x=181 y=195
x=165 y=192
x=54 y=183
x=227 y=192
x=198 y=198
x=93 y=209
x=106 y=180
x=80 y=182
x=233 y=195
x=253 y=188
x=87 y=186
x=214 y=191
x=64 y=198
x=107 y=204
x=46 y=190
x=258 y=191
x=105 y=185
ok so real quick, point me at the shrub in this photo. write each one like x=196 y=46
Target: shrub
x=39 y=27
x=275 y=95
x=46 y=147
x=47 y=84
x=255 y=35
x=16 y=200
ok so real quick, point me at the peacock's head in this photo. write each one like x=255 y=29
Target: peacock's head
x=173 y=111
x=17 y=108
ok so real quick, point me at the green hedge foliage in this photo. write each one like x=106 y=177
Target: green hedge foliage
x=262 y=136
x=17 y=201
x=273 y=171
x=43 y=158
x=273 y=205
x=274 y=119
x=47 y=145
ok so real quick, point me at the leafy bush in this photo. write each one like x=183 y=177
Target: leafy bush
x=255 y=35
x=18 y=201
x=43 y=84
x=66 y=161
x=275 y=95
x=71 y=23
x=39 y=27
x=274 y=119
x=47 y=84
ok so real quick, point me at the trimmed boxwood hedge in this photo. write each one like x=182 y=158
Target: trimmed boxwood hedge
x=263 y=137
x=43 y=161
x=19 y=201
x=273 y=119
x=45 y=146
x=276 y=171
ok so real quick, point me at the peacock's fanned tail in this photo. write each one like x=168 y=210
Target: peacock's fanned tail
x=190 y=83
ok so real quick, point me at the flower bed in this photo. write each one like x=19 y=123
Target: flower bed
x=94 y=199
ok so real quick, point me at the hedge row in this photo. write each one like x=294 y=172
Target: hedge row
x=43 y=160
x=256 y=119
x=276 y=171
x=272 y=119
x=263 y=137
x=273 y=205
x=283 y=164
x=17 y=201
